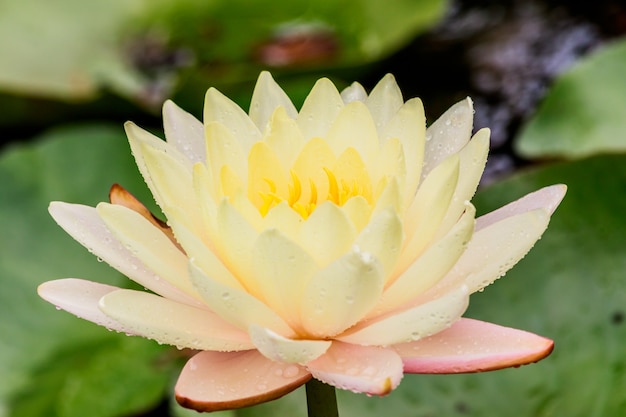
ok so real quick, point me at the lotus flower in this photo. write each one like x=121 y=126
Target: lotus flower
x=337 y=242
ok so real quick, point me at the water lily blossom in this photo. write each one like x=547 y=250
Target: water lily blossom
x=337 y=242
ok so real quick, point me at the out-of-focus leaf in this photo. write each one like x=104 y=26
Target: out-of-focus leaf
x=585 y=111
x=571 y=287
x=65 y=48
x=53 y=364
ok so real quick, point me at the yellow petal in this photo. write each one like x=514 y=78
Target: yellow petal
x=320 y=109
x=224 y=149
x=267 y=96
x=389 y=163
x=281 y=270
x=235 y=306
x=265 y=174
x=428 y=208
x=221 y=109
x=383 y=237
x=310 y=163
x=184 y=131
x=327 y=233
x=358 y=210
x=284 y=137
x=284 y=219
x=339 y=295
x=409 y=126
x=384 y=101
x=354 y=128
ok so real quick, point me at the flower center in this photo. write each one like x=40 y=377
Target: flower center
x=339 y=192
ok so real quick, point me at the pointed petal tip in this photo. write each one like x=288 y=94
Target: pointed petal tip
x=471 y=346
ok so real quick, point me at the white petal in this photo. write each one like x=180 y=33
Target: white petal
x=472 y=159
x=81 y=297
x=412 y=323
x=320 y=109
x=384 y=101
x=368 y=369
x=355 y=92
x=148 y=243
x=267 y=96
x=429 y=267
x=547 y=198
x=213 y=381
x=341 y=294
x=223 y=148
x=235 y=306
x=448 y=135
x=85 y=225
x=221 y=109
x=184 y=131
x=172 y=323
x=281 y=349
x=496 y=248
x=284 y=137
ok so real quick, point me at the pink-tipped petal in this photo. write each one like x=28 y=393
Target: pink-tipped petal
x=368 y=369
x=473 y=346
x=213 y=381
x=547 y=198
x=81 y=297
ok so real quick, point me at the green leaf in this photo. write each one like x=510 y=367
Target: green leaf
x=53 y=364
x=585 y=111
x=66 y=48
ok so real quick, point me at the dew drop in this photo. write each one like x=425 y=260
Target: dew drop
x=100 y=259
x=261 y=387
x=291 y=371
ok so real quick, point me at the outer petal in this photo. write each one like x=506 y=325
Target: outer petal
x=412 y=323
x=284 y=137
x=148 y=243
x=85 y=225
x=368 y=369
x=354 y=92
x=184 y=131
x=81 y=297
x=473 y=346
x=340 y=294
x=172 y=323
x=382 y=237
x=267 y=96
x=282 y=349
x=448 y=135
x=212 y=381
x=547 y=198
x=494 y=250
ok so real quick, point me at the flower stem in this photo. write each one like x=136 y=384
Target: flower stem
x=321 y=400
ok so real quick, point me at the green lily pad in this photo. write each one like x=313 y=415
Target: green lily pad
x=65 y=49
x=585 y=111
x=571 y=288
